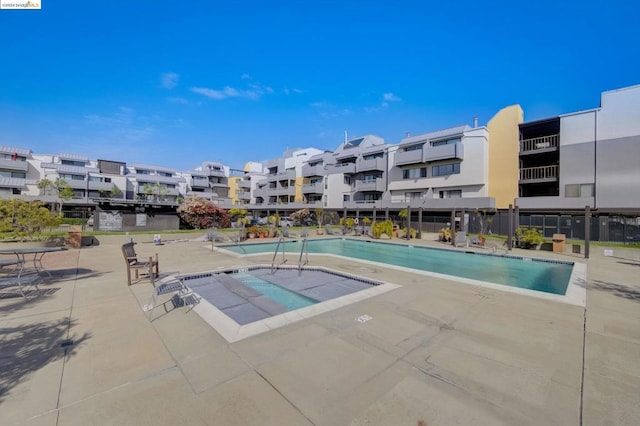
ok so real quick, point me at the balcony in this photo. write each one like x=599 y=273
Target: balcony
x=345 y=168
x=215 y=173
x=539 y=174
x=101 y=186
x=244 y=195
x=444 y=152
x=408 y=157
x=313 y=188
x=289 y=174
x=17 y=165
x=317 y=170
x=377 y=185
x=373 y=164
x=538 y=145
x=290 y=190
x=199 y=183
x=244 y=184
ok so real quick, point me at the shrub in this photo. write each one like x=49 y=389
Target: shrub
x=200 y=213
x=529 y=237
x=379 y=228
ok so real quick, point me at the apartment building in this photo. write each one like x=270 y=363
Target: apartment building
x=353 y=175
x=441 y=170
x=153 y=183
x=282 y=187
x=584 y=158
x=210 y=180
x=242 y=183
x=15 y=171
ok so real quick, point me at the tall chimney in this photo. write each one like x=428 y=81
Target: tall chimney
x=475 y=122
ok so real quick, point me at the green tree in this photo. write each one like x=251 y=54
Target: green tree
x=115 y=192
x=60 y=187
x=21 y=219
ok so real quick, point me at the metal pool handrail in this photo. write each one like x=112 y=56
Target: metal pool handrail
x=275 y=253
x=305 y=250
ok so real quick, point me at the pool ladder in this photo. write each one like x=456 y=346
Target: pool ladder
x=303 y=251
x=275 y=254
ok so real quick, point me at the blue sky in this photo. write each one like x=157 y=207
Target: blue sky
x=178 y=83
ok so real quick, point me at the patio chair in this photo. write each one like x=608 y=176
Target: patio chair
x=287 y=234
x=150 y=265
x=461 y=239
x=182 y=295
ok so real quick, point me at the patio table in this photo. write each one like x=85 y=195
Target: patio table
x=21 y=253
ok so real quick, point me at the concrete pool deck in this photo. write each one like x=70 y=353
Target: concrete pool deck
x=432 y=350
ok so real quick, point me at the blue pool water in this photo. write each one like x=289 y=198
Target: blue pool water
x=549 y=277
x=281 y=295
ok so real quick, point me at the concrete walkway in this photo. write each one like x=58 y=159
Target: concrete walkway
x=436 y=352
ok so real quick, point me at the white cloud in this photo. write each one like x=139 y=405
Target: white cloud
x=169 y=80
x=386 y=98
x=254 y=90
x=390 y=97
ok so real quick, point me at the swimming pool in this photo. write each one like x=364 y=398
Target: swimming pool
x=243 y=302
x=533 y=274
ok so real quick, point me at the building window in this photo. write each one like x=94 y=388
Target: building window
x=446 y=169
x=21 y=175
x=373 y=156
x=416 y=173
x=346 y=197
x=578 y=190
x=72 y=163
x=412 y=148
x=452 y=193
x=411 y=196
x=347 y=180
x=68 y=176
x=446 y=142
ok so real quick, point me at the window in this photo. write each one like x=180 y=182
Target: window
x=446 y=142
x=446 y=169
x=373 y=156
x=68 y=176
x=412 y=148
x=72 y=163
x=347 y=180
x=578 y=190
x=409 y=196
x=452 y=193
x=346 y=197
x=21 y=175
x=414 y=173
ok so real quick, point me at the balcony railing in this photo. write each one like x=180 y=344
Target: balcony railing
x=313 y=188
x=347 y=168
x=537 y=144
x=372 y=164
x=539 y=174
x=22 y=166
x=317 y=170
x=370 y=185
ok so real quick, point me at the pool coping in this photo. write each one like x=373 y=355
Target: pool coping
x=233 y=332
x=576 y=293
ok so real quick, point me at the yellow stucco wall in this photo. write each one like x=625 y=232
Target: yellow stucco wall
x=504 y=148
x=299 y=197
x=233 y=189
